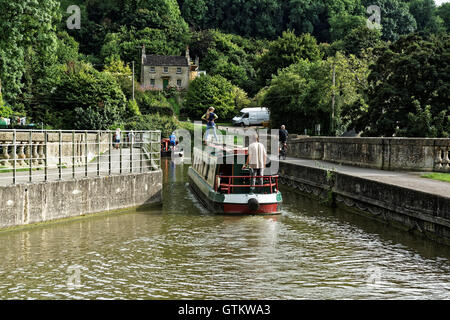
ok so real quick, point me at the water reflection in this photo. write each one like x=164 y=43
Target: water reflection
x=183 y=251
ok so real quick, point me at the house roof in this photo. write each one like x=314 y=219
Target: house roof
x=157 y=60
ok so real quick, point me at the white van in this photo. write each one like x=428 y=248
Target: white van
x=251 y=117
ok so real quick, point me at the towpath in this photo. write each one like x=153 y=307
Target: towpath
x=405 y=179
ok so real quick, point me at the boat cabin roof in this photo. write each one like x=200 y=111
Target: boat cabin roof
x=222 y=151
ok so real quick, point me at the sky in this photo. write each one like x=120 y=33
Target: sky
x=439 y=2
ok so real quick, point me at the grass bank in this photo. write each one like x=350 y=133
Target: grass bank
x=437 y=176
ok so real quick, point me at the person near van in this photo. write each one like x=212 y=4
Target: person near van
x=210 y=117
x=117 y=135
x=256 y=160
x=283 y=135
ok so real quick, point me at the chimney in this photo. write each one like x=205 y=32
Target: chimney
x=143 y=62
x=187 y=56
x=144 y=56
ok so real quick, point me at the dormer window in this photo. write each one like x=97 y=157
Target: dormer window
x=166 y=69
x=152 y=70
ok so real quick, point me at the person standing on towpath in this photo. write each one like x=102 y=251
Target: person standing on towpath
x=210 y=118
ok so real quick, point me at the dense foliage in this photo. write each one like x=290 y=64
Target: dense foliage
x=282 y=54
x=210 y=91
x=410 y=89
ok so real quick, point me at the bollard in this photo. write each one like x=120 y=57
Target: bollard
x=109 y=152
x=73 y=154
x=60 y=155
x=30 y=159
x=85 y=153
x=14 y=156
x=46 y=157
x=120 y=153
x=130 y=138
x=98 y=153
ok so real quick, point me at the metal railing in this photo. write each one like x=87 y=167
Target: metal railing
x=48 y=155
x=270 y=183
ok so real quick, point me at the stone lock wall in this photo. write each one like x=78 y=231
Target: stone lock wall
x=41 y=202
x=411 y=210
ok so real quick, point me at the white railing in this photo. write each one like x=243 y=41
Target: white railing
x=46 y=155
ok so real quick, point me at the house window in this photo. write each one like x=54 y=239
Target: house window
x=152 y=70
x=152 y=82
x=166 y=69
x=179 y=83
x=178 y=70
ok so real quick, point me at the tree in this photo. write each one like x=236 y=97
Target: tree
x=396 y=20
x=122 y=73
x=286 y=50
x=424 y=13
x=444 y=13
x=229 y=56
x=411 y=77
x=251 y=18
x=80 y=87
x=341 y=25
x=357 y=41
x=27 y=45
x=210 y=91
x=67 y=48
x=314 y=17
x=299 y=97
x=194 y=12
x=351 y=83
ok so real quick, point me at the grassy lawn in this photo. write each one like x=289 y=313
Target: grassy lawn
x=225 y=124
x=438 y=176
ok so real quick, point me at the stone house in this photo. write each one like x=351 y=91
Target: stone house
x=159 y=72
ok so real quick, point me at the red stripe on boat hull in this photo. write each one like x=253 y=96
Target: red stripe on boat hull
x=234 y=208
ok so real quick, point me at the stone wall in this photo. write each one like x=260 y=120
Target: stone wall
x=414 y=211
x=380 y=153
x=40 y=202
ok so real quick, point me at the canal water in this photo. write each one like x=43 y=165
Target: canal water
x=181 y=251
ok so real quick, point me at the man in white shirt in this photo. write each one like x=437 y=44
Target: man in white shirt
x=256 y=160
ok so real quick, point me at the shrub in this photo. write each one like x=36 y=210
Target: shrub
x=151 y=103
x=210 y=91
x=153 y=122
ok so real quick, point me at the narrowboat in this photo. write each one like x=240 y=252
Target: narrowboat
x=222 y=185
x=166 y=149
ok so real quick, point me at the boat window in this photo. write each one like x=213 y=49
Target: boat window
x=196 y=162
x=200 y=166
x=205 y=169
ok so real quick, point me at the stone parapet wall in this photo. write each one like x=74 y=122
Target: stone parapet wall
x=379 y=153
x=73 y=147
